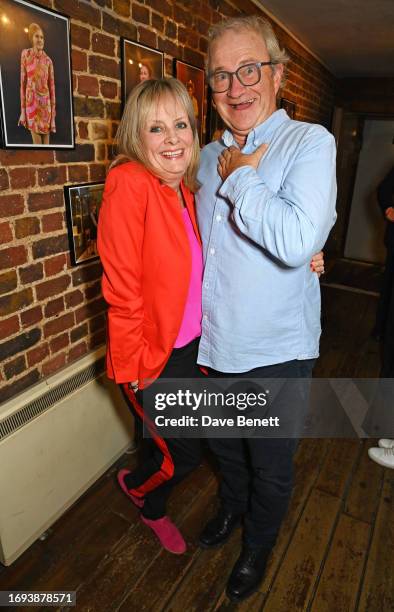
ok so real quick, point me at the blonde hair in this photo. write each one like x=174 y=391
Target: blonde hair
x=32 y=29
x=257 y=24
x=140 y=102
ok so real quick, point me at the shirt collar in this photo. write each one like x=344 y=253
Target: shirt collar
x=261 y=133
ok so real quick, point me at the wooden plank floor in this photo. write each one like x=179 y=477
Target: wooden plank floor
x=334 y=552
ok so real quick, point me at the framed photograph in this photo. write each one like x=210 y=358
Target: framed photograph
x=215 y=124
x=194 y=80
x=289 y=106
x=35 y=77
x=83 y=204
x=139 y=63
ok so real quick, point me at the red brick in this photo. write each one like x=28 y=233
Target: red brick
x=82 y=152
x=157 y=22
x=8 y=281
x=80 y=37
x=122 y=7
x=78 y=174
x=54 y=265
x=108 y=89
x=4 y=181
x=22 y=177
x=53 y=365
x=101 y=43
x=30 y=274
x=74 y=298
x=164 y=7
x=80 y=11
x=58 y=343
x=93 y=291
x=5 y=232
x=11 y=205
x=17 y=386
x=52 y=176
x=147 y=36
x=77 y=351
x=141 y=14
x=87 y=85
x=15 y=301
x=37 y=355
x=79 y=332
x=97 y=323
x=83 y=130
x=52 y=287
x=98 y=339
x=12 y=256
x=99 y=131
x=104 y=66
x=113 y=110
x=29 y=317
x=9 y=327
x=52 y=222
x=54 y=307
x=90 y=310
x=79 y=60
x=25 y=158
x=50 y=246
x=45 y=200
x=58 y=325
x=15 y=367
x=101 y=151
x=98 y=172
x=28 y=226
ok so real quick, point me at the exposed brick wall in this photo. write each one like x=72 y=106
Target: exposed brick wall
x=52 y=313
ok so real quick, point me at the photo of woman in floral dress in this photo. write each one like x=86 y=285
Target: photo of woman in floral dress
x=37 y=89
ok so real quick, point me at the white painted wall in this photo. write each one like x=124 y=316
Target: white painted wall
x=364 y=239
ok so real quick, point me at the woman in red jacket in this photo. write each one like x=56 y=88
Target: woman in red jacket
x=151 y=253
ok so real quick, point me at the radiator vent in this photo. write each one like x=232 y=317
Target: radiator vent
x=32 y=410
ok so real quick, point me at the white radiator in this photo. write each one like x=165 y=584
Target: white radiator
x=56 y=439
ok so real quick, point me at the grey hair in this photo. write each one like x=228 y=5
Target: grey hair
x=257 y=24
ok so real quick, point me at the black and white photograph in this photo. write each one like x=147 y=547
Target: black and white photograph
x=83 y=204
x=35 y=77
x=139 y=63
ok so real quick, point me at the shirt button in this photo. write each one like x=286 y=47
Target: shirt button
x=205 y=317
x=212 y=251
x=218 y=218
x=206 y=285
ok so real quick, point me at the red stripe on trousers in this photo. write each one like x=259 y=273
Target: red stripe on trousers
x=167 y=467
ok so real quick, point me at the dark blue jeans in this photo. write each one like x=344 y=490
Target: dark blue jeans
x=257 y=473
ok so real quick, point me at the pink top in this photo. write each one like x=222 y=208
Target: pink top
x=191 y=322
x=37 y=91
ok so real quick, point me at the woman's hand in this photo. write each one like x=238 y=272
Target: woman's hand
x=133 y=386
x=317 y=263
x=22 y=119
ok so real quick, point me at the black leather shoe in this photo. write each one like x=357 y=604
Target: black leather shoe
x=247 y=573
x=219 y=529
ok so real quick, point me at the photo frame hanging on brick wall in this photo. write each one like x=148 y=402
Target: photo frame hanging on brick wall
x=35 y=77
x=194 y=80
x=83 y=203
x=139 y=63
x=289 y=106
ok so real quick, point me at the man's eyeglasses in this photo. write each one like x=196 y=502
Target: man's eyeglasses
x=247 y=75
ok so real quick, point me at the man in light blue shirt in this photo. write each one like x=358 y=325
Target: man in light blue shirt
x=266 y=204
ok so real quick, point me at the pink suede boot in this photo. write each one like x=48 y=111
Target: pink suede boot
x=169 y=535
x=137 y=501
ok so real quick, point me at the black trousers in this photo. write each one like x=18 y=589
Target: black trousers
x=257 y=473
x=165 y=462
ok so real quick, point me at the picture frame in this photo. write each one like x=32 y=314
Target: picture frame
x=289 y=106
x=215 y=125
x=139 y=62
x=83 y=203
x=193 y=79
x=35 y=77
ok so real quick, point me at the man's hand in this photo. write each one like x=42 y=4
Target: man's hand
x=389 y=212
x=232 y=158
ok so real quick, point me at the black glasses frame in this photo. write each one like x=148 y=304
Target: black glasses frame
x=236 y=73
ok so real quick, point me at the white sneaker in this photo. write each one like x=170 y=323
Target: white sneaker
x=386 y=443
x=383 y=456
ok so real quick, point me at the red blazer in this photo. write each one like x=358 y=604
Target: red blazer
x=145 y=252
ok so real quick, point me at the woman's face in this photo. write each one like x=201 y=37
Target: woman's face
x=144 y=73
x=38 y=40
x=168 y=140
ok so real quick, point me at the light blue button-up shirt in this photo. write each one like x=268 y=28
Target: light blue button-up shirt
x=261 y=301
